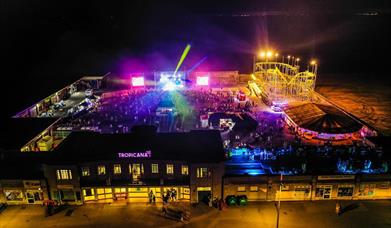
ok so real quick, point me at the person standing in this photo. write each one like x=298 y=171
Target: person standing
x=150 y=196
x=337 y=208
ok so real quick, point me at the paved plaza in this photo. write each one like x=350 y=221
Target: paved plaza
x=293 y=214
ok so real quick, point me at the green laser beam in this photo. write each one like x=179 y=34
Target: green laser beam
x=184 y=54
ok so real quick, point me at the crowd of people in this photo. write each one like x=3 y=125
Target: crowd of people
x=205 y=101
x=117 y=112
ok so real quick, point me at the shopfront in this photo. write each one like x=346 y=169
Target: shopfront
x=294 y=191
x=323 y=191
x=345 y=191
x=14 y=196
x=132 y=194
x=34 y=193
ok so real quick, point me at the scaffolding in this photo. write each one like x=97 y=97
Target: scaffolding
x=277 y=81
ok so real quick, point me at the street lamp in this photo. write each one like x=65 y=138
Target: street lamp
x=297 y=61
x=314 y=66
x=279 y=202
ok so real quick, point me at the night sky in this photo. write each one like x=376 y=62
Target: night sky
x=48 y=44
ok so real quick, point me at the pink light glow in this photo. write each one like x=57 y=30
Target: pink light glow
x=203 y=81
x=137 y=81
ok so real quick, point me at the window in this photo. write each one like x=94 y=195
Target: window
x=137 y=169
x=14 y=195
x=241 y=188
x=185 y=170
x=88 y=192
x=253 y=188
x=85 y=171
x=170 y=169
x=345 y=191
x=117 y=169
x=155 y=168
x=202 y=172
x=101 y=170
x=64 y=174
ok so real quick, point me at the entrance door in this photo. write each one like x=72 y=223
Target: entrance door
x=323 y=192
x=203 y=194
x=33 y=196
x=30 y=197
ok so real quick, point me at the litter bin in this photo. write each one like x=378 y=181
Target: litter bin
x=242 y=200
x=231 y=200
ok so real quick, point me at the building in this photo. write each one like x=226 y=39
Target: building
x=93 y=167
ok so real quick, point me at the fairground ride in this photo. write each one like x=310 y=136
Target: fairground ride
x=276 y=80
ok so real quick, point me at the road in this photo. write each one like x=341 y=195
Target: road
x=263 y=214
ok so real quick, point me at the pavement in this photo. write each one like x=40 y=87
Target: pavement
x=256 y=214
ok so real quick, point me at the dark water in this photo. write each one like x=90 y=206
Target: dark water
x=48 y=45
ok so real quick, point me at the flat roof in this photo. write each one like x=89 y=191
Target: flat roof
x=194 y=146
x=17 y=132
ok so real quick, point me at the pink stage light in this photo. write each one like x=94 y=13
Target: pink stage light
x=203 y=81
x=137 y=81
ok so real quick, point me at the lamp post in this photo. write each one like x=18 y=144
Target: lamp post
x=279 y=203
x=314 y=66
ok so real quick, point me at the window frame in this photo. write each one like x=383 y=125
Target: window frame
x=154 y=168
x=117 y=169
x=171 y=168
x=85 y=171
x=185 y=168
x=103 y=168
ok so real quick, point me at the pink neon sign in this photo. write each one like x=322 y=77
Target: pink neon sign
x=146 y=154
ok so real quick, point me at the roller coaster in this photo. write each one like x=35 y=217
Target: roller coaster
x=278 y=81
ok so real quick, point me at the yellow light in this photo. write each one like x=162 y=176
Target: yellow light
x=276 y=55
x=262 y=54
x=253 y=76
x=289 y=56
x=269 y=54
x=313 y=62
x=298 y=59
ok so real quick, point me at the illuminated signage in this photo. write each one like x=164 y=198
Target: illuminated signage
x=203 y=80
x=137 y=81
x=146 y=154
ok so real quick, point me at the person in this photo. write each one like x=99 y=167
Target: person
x=174 y=195
x=150 y=196
x=338 y=208
x=154 y=198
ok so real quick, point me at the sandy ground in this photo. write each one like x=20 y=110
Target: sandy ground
x=369 y=101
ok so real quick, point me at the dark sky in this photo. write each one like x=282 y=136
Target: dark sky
x=47 y=44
